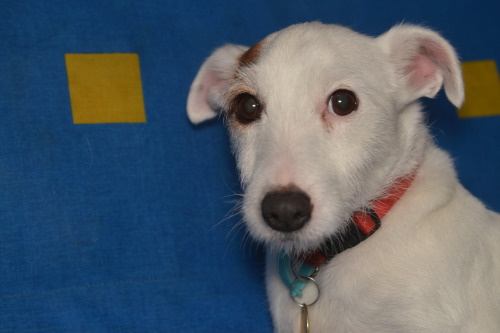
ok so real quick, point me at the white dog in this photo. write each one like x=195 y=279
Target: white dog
x=331 y=143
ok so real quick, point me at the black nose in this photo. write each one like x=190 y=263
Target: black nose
x=286 y=210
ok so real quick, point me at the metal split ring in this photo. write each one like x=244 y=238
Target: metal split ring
x=295 y=298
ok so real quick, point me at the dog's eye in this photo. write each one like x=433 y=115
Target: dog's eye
x=247 y=109
x=342 y=102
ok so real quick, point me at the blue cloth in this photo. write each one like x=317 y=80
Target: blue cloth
x=121 y=227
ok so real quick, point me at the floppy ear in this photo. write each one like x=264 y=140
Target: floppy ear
x=204 y=96
x=424 y=61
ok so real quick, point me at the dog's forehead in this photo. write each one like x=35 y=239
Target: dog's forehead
x=249 y=58
x=308 y=51
x=300 y=37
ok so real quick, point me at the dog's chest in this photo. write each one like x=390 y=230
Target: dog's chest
x=356 y=296
x=342 y=307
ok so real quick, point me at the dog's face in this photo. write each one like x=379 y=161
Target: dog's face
x=321 y=120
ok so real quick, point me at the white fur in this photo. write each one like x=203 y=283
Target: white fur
x=434 y=264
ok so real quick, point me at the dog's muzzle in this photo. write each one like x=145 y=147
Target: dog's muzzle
x=286 y=210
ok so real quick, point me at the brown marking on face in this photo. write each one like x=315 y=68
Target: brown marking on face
x=250 y=56
x=237 y=84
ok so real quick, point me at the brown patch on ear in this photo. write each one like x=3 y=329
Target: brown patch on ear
x=250 y=56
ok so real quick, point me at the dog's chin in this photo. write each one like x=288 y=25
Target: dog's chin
x=306 y=240
x=293 y=242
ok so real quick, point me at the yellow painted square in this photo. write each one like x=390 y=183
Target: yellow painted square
x=105 y=88
x=482 y=89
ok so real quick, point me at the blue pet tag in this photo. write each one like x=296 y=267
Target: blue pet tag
x=295 y=284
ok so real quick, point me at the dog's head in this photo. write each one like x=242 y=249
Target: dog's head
x=322 y=119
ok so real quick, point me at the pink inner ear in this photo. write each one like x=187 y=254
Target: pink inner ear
x=422 y=71
x=210 y=83
x=203 y=101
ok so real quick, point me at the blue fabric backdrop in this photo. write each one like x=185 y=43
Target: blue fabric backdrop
x=121 y=227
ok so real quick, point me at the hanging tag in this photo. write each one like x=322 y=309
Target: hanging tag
x=304 y=319
x=295 y=281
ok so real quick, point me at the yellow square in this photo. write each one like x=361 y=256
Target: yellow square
x=482 y=89
x=105 y=88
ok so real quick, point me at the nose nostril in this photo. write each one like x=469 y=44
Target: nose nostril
x=272 y=217
x=299 y=216
x=286 y=210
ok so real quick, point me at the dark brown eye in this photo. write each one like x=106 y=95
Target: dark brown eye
x=342 y=102
x=246 y=108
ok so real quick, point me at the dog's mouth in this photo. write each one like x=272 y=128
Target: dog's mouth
x=304 y=242
x=288 y=214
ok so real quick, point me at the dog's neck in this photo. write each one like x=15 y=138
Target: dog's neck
x=363 y=224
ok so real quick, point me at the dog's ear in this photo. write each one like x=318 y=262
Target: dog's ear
x=204 y=96
x=424 y=61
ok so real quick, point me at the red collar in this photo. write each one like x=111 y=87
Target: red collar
x=365 y=224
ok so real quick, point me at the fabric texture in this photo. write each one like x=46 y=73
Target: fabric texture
x=112 y=223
